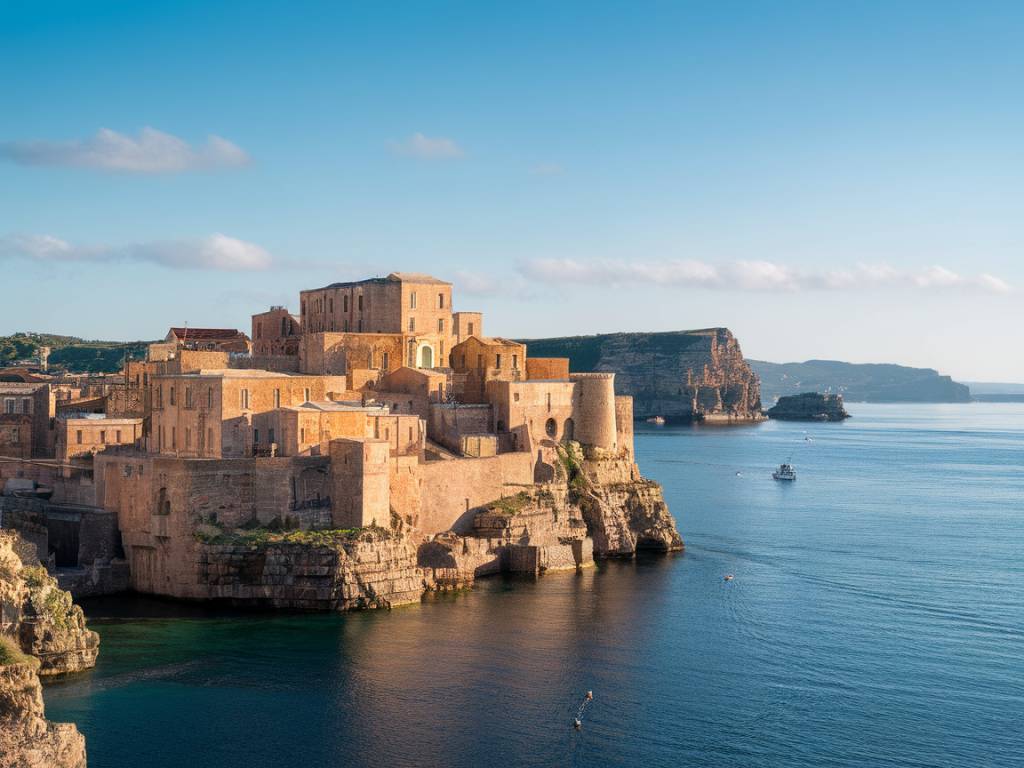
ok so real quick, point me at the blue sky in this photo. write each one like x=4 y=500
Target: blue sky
x=827 y=180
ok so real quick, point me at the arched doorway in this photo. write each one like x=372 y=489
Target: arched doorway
x=426 y=356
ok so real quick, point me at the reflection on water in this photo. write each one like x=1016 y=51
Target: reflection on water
x=875 y=618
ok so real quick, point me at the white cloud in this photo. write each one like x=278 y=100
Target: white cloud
x=547 y=169
x=763 y=276
x=217 y=252
x=427 y=148
x=152 y=151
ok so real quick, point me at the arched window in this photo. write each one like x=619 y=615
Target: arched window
x=567 y=430
x=551 y=427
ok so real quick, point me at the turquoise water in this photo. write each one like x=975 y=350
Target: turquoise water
x=876 y=618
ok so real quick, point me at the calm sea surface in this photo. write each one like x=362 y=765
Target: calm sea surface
x=876 y=618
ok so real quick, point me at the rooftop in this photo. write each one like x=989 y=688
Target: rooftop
x=394 y=277
x=205 y=334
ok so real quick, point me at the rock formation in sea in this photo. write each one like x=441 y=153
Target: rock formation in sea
x=809 y=406
x=680 y=375
x=41 y=633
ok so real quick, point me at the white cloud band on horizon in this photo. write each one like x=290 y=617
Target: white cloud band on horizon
x=427 y=148
x=214 y=252
x=151 y=152
x=756 y=276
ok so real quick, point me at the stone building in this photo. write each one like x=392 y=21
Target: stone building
x=85 y=435
x=26 y=419
x=276 y=332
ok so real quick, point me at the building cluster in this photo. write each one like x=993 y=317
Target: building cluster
x=377 y=403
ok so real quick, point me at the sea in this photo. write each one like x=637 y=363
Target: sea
x=875 y=618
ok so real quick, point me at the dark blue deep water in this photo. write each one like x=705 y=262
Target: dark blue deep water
x=876 y=618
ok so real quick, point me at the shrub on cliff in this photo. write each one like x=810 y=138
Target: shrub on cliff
x=10 y=653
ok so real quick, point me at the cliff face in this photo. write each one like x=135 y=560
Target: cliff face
x=809 y=406
x=680 y=375
x=41 y=632
x=597 y=506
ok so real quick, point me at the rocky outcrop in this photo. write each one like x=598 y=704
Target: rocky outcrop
x=313 y=570
x=40 y=616
x=809 y=406
x=41 y=632
x=597 y=506
x=27 y=738
x=679 y=375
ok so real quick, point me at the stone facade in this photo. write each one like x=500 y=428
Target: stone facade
x=83 y=437
x=26 y=414
x=276 y=332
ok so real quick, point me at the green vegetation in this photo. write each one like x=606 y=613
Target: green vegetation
x=261 y=536
x=47 y=599
x=35 y=576
x=572 y=463
x=70 y=352
x=10 y=653
x=510 y=506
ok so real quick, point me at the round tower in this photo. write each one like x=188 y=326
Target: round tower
x=594 y=409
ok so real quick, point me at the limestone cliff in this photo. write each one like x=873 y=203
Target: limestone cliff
x=27 y=738
x=41 y=632
x=680 y=375
x=597 y=505
x=312 y=570
x=809 y=406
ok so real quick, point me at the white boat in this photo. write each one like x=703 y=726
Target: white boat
x=785 y=472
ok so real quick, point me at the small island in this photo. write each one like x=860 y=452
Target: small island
x=809 y=406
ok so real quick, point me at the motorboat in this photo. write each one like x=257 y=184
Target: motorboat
x=785 y=472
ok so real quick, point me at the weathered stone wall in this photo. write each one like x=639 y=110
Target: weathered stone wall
x=27 y=738
x=449 y=423
x=547 y=368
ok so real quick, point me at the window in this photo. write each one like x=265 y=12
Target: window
x=103 y=436
x=271 y=434
x=440 y=301
x=515 y=397
x=330 y=305
x=497 y=361
x=384 y=362
x=160 y=396
x=360 y=302
x=209 y=397
x=209 y=438
x=277 y=398
x=344 y=303
x=515 y=361
x=259 y=330
x=172 y=396
x=9 y=405
x=188 y=397
x=303 y=309
x=412 y=323
x=256 y=437
x=117 y=436
x=412 y=300
x=285 y=330
x=305 y=395
x=479 y=361
x=160 y=437
x=243 y=397
x=78 y=436
x=26 y=405
x=188 y=437
x=551 y=427
x=302 y=435
x=174 y=437
x=471 y=331
x=440 y=325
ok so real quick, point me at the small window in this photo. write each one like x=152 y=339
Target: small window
x=117 y=436
x=209 y=438
x=172 y=396
x=26 y=405
x=471 y=331
x=440 y=301
x=479 y=361
x=209 y=397
x=412 y=324
x=344 y=303
x=256 y=437
x=174 y=437
x=551 y=427
x=412 y=300
x=277 y=398
x=103 y=437
x=271 y=431
x=302 y=435
x=440 y=325
x=515 y=397
x=497 y=361
x=384 y=362
x=243 y=399
x=305 y=394
x=78 y=436
x=360 y=302
x=330 y=305
x=188 y=397
x=515 y=362
x=188 y=437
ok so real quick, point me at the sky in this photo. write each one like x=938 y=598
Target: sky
x=827 y=180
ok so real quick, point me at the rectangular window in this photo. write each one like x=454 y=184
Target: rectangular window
x=360 y=302
x=9 y=405
x=412 y=300
x=174 y=437
x=302 y=435
x=188 y=437
x=160 y=396
x=172 y=396
x=479 y=361
x=78 y=436
x=440 y=325
x=277 y=398
x=160 y=437
x=103 y=437
x=272 y=435
x=188 y=397
x=412 y=324
x=305 y=395
x=440 y=301
x=209 y=397
x=330 y=305
x=243 y=398
x=26 y=405
x=515 y=361
x=344 y=303
x=470 y=330
x=256 y=437
x=497 y=361
x=209 y=438
x=384 y=362
x=117 y=436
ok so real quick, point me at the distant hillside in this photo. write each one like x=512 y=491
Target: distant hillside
x=679 y=375
x=996 y=392
x=868 y=382
x=70 y=353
